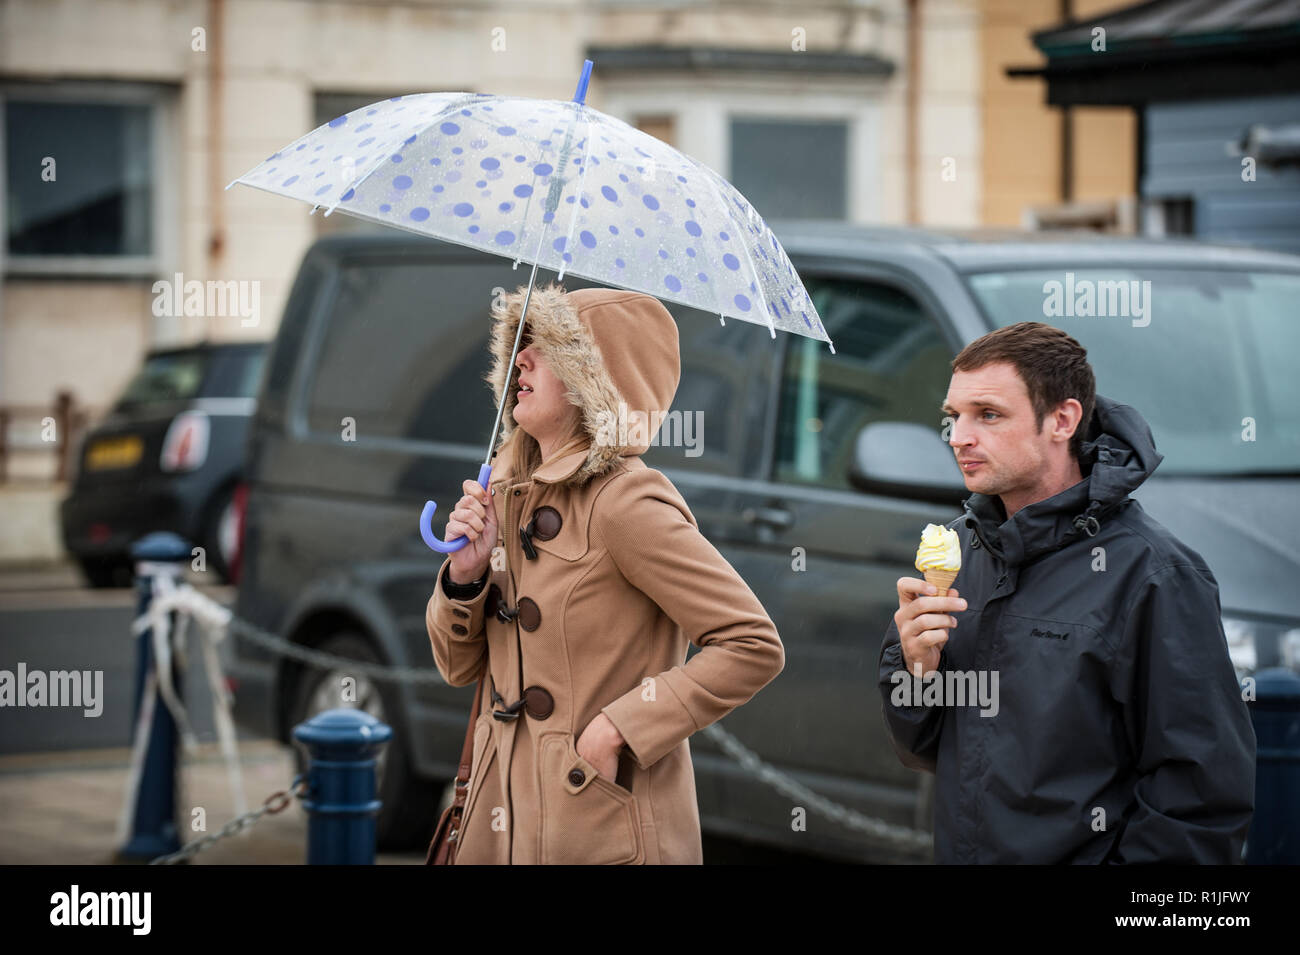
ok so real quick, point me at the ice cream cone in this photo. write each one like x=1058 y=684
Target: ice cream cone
x=941 y=579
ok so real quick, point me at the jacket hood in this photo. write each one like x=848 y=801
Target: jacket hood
x=615 y=351
x=1118 y=455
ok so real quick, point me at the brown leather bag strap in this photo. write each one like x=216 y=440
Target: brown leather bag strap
x=442 y=848
x=467 y=750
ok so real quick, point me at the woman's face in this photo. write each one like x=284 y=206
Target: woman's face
x=541 y=407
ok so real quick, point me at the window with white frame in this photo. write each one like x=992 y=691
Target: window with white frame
x=791 y=169
x=81 y=175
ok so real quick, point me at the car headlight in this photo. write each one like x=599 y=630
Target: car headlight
x=1255 y=644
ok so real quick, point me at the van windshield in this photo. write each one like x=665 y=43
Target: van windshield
x=1206 y=356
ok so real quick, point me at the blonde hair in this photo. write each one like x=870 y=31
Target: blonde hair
x=520 y=453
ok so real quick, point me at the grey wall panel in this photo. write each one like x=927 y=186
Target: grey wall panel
x=1186 y=155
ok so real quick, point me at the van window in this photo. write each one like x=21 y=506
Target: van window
x=703 y=430
x=405 y=352
x=234 y=373
x=286 y=350
x=891 y=364
x=1206 y=355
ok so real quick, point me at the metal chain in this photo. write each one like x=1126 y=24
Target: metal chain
x=276 y=802
x=328 y=661
x=793 y=789
x=747 y=758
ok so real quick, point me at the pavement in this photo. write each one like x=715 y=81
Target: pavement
x=28 y=576
x=60 y=800
x=63 y=808
x=29 y=513
x=63 y=781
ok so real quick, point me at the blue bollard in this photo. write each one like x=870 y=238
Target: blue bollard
x=1274 y=837
x=342 y=745
x=154 y=830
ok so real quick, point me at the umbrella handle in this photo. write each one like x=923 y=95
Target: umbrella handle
x=426 y=520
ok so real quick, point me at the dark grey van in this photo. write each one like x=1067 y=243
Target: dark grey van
x=814 y=474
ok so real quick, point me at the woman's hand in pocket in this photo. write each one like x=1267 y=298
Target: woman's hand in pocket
x=599 y=745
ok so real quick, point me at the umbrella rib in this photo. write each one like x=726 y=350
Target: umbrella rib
x=379 y=161
x=727 y=206
x=745 y=248
x=523 y=225
x=577 y=201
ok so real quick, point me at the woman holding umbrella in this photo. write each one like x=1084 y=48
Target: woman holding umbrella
x=583 y=579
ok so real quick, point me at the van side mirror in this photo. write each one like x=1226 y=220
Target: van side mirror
x=906 y=460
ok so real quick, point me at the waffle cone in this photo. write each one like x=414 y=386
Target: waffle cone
x=942 y=579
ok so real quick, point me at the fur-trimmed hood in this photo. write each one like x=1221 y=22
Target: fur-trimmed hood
x=617 y=354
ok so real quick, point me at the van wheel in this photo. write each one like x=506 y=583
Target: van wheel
x=221 y=533
x=406 y=818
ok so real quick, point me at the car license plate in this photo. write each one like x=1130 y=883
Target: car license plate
x=111 y=453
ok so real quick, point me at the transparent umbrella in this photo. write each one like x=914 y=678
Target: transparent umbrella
x=555 y=184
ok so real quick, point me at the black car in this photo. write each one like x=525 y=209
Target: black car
x=169 y=456
x=813 y=475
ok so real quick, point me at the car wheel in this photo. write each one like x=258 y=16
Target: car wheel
x=406 y=818
x=106 y=571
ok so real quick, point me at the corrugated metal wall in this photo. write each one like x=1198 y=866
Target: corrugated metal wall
x=1186 y=156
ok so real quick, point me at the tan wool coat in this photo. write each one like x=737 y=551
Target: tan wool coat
x=600 y=619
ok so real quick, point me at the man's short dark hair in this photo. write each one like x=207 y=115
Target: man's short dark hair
x=1052 y=365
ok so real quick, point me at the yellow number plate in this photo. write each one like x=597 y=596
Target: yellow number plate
x=113 y=453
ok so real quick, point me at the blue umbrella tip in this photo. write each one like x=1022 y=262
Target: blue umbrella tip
x=580 y=95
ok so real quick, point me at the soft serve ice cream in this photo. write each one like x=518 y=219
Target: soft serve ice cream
x=939 y=556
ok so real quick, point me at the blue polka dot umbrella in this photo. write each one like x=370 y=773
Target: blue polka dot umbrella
x=555 y=184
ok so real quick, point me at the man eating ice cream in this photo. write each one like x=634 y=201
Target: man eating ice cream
x=1120 y=734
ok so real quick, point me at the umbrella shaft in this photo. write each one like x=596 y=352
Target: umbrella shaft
x=510 y=371
x=552 y=206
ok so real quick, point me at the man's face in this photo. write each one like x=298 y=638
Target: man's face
x=996 y=437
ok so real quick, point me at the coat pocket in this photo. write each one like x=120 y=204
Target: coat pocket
x=586 y=819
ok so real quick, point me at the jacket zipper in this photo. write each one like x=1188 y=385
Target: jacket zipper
x=974 y=525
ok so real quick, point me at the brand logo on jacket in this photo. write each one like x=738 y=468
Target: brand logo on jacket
x=1048 y=634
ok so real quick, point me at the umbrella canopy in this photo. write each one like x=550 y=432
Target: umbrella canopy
x=556 y=184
